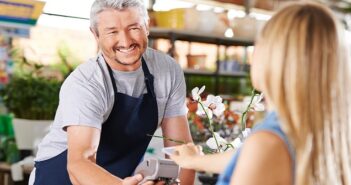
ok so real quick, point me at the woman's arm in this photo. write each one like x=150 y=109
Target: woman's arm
x=189 y=156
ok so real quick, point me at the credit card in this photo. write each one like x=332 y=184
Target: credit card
x=168 y=150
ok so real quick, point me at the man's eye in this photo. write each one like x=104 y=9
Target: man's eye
x=113 y=32
x=134 y=28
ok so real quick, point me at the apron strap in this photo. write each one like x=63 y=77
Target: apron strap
x=112 y=79
x=149 y=78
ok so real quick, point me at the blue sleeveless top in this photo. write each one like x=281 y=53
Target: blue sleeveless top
x=270 y=124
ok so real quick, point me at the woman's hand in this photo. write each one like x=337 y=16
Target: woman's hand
x=184 y=155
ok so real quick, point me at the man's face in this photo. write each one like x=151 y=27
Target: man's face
x=122 y=37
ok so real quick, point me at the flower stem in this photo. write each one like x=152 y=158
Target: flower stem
x=166 y=138
x=205 y=150
x=210 y=122
x=243 y=116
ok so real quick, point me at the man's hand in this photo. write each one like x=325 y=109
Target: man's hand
x=136 y=179
x=133 y=180
x=154 y=183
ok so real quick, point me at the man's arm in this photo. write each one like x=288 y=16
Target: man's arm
x=177 y=128
x=83 y=143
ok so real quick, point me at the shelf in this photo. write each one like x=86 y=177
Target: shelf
x=196 y=37
x=193 y=77
x=196 y=72
x=234 y=74
x=237 y=5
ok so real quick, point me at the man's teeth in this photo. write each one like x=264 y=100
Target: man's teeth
x=127 y=50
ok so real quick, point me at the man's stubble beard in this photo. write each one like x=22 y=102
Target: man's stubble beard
x=124 y=64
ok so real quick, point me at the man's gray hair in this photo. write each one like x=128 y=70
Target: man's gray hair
x=100 y=5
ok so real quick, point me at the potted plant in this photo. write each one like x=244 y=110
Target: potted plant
x=32 y=96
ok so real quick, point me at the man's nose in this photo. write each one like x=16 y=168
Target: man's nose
x=124 y=40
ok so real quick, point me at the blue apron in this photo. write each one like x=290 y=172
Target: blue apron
x=123 y=139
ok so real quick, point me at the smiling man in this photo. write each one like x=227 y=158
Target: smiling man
x=110 y=104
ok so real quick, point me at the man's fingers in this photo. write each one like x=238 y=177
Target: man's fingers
x=154 y=183
x=160 y=183
x=149 y=183
x=133 y=180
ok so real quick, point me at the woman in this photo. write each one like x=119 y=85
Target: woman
x=302 y=66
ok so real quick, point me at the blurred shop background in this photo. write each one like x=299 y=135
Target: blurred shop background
x=41 y=42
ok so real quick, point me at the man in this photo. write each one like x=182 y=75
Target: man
x=110 y=104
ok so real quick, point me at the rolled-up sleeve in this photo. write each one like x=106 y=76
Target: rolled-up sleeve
x=176 y=105
x=80 y=104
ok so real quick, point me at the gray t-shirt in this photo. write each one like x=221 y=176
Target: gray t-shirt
x=87 y=97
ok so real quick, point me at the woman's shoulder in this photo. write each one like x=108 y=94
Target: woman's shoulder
x=265 y=157
x=265 y=142
x=272 y=125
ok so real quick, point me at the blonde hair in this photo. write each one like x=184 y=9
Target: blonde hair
x=306 y=76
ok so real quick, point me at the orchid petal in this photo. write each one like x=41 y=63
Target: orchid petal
x=211 y=142
x=256 y=99
x=195 y=93
x=201 y=90
x=218 y=111
x=218 y=99
x=209 y=114
x=236 y=143
x=200 y=111
x=246 y=132
x=260 y=97
x=208 y=100
x=259 y=107
x=238 y=107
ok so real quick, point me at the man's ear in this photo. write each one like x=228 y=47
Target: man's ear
x=147 y=27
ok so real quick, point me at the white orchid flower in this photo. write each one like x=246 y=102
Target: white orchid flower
x=211 y=142
x=237 y=106
x=236 y=143
x=201 y=112
x=256 y=103
x=218 y=111
x=215 y=104
x=196 y=92
x=246 y=132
